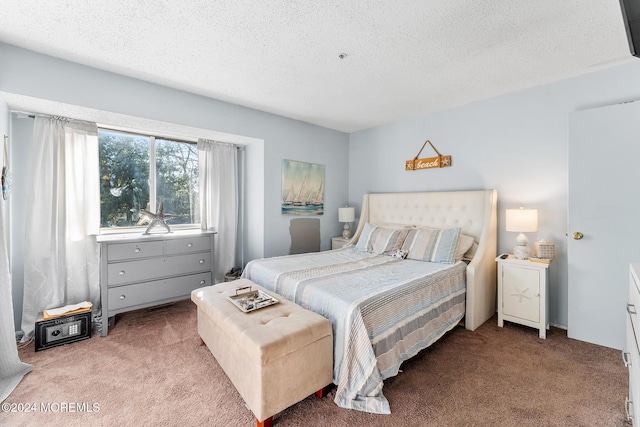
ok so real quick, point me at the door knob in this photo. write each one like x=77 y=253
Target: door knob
x=577 y=235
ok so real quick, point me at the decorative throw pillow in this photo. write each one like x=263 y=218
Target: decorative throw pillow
x=432 y=245
x=386 y=241
x=381 y=240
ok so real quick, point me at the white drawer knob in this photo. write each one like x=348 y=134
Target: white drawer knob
x=136 y=250
x=122 y=297
x=121 y=272
x=202 y=282
x=201 y=261
x=189 y=245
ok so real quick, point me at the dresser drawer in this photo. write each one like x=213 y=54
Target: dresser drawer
x=193 y=244
x=128 y=251
x=148 y=269
x=633 y=312
x=632 y=360
x=155 y=292
x=632 y=348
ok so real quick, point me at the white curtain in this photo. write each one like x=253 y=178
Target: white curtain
x=11 y=368
x=218 y=166
x=62 y=257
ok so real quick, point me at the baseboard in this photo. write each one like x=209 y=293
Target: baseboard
x=19 y=335
x=559 y=326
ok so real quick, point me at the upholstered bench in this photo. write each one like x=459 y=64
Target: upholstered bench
x=275 y=356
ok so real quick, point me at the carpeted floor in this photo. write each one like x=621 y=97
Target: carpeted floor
x=151 y=371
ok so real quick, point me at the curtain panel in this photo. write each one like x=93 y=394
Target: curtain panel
x=62 y=257
x=218 y=169
x=11 y=368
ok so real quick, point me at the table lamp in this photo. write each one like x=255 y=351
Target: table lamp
x=346 y=215
x=522 y=221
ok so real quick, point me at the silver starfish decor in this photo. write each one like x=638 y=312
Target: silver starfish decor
x=157 y=219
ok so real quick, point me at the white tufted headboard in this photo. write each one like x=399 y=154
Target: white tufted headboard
x=473 y=211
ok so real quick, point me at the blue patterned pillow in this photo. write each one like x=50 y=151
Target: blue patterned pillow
x=432 y=245
x=363 y=240
x=380 y=240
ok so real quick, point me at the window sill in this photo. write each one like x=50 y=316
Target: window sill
x=139 y=230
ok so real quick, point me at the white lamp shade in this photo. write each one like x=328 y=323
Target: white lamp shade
x=346 y=214
x=522 y=220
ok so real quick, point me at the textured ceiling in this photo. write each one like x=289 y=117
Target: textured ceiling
x=404 y=58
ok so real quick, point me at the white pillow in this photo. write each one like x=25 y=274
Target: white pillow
x=363 y=240
x=464 y=244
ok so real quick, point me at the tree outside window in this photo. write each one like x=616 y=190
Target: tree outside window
x=131 y=180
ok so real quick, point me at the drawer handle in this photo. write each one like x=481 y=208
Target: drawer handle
x=201 y=261
x=189 y=245
x=122 y=297
x=136 y=250
x=631 y=309
x=627 y=406
x=625 y=359
x=121 y=272
x=202 y=282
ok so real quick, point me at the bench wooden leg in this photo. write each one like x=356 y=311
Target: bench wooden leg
x=269 y=421
x=323 y=392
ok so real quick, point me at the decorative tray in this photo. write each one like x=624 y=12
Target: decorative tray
x=252 y=299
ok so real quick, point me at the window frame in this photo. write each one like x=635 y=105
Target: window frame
x=152 y=179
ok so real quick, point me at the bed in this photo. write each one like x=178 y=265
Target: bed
x=399 y=285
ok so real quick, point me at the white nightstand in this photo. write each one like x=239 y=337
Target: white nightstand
x=523 y=287
x=338 y=242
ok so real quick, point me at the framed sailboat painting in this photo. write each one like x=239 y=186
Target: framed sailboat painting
x=302 y=188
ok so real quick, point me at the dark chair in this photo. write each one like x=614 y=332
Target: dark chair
x=305 y=235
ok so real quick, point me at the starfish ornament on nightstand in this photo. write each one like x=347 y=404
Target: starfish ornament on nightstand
x=156 y=219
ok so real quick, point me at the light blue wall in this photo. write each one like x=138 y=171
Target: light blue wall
x=40 y=76
x=516 y=144
x=21 y=130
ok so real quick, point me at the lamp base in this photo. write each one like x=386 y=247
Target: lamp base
x=346 y=233
x=521 y=252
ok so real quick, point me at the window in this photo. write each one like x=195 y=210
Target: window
x=138 y=172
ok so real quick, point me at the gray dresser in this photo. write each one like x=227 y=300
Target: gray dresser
x=138 y=271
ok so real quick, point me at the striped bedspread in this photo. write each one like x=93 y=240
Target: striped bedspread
x=383 y=311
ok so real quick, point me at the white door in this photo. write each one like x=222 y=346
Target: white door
x=603 y=205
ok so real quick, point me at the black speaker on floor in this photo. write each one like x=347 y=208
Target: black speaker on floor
x=63 y=330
